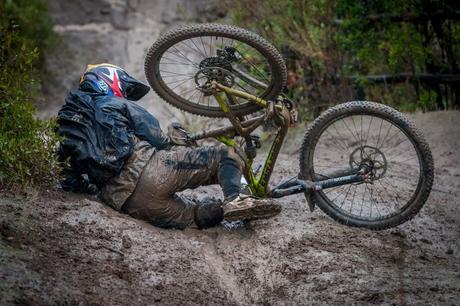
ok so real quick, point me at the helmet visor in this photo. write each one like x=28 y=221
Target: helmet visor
x=134 y=89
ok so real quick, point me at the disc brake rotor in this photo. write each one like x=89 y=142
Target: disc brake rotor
x=370 y=157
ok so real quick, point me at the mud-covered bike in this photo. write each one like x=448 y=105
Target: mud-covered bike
x=363 y=163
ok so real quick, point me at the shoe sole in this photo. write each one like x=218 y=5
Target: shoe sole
x=261 y=211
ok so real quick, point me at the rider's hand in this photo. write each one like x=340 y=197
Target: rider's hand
x=179 y=136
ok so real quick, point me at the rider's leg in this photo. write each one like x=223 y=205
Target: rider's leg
x=175 y=170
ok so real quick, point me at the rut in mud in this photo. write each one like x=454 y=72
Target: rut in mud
x=70 y=249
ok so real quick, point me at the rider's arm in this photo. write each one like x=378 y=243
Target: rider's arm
x=146 y=127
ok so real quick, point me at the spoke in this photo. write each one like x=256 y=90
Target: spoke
x=201 y=96
x=357 y=132
x=338 y=194
x=397 y=170
x=340 y=135
x=399 y=180
x=388 y=192
x=371 y=202
x=362 y=199
x=408 y=189
x=210 y=46
x=181 y=83
x=193 y=42
x=402 y=161
x=346 y=195
x=353 y=201
x=244 y=89
x=384 y=138
x=186 y=91
x=204 y=47
x=175 y=73
x=173 y=82
x=198 y=52
x=369 y=128
x=383 y=202
x=176 y=64
x=341 y=146
x=175 y=60
x=377 y=203
x=392 y=136
x=380 y=131
x=193 y=94
x=350 y=131
x=257 y=69
x=395 y=146
x=183 y=56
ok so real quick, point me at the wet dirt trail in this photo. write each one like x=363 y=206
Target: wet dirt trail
x=61 y=248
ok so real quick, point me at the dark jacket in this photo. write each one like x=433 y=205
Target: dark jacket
x=98 y=136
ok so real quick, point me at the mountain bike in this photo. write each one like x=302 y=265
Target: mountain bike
x=362 y=163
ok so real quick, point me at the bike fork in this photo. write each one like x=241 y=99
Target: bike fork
x=338 y=178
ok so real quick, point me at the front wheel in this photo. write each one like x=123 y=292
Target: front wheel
x=361 y=134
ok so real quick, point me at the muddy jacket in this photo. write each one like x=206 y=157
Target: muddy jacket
x=99 y=134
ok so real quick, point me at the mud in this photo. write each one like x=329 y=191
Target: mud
x=60 y=248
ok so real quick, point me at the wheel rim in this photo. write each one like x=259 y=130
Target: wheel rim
x=396 y=183
x=178 y=67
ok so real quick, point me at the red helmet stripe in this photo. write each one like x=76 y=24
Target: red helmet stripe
x=116 y=85
x=113 y=84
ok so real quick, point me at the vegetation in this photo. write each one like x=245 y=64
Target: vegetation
x=403 y=53
x=26 y=144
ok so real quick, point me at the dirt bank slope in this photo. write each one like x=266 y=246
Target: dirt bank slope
x=68 y=249
x=117 y=32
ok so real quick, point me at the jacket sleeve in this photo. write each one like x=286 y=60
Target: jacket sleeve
x=146 y=127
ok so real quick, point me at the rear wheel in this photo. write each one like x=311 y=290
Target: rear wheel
x=366 y=134
x=182 y=62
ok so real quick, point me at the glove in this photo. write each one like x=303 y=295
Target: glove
x=179 y=136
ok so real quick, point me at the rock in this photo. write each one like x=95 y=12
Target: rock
x=126 y=242
x=424 y=240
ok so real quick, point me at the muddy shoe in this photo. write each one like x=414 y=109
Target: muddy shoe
x=249 y=208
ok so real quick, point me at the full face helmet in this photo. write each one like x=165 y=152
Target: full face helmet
x=111 y=80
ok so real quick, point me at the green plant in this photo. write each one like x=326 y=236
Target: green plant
x=338 y=50
x=27 y=144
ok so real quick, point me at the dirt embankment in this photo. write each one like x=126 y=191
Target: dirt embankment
x=70 y=249
x=117 y=32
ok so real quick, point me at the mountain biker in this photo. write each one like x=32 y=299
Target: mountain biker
x=114 y=147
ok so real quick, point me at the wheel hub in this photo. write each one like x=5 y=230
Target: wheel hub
x=369 y=160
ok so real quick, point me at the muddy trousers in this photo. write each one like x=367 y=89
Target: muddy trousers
x=171 y=171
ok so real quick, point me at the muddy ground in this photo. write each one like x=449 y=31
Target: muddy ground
x=66 y=249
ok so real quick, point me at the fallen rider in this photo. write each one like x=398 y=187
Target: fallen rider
x=114 y=148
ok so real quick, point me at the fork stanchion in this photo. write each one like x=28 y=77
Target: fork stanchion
x=298 y=186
